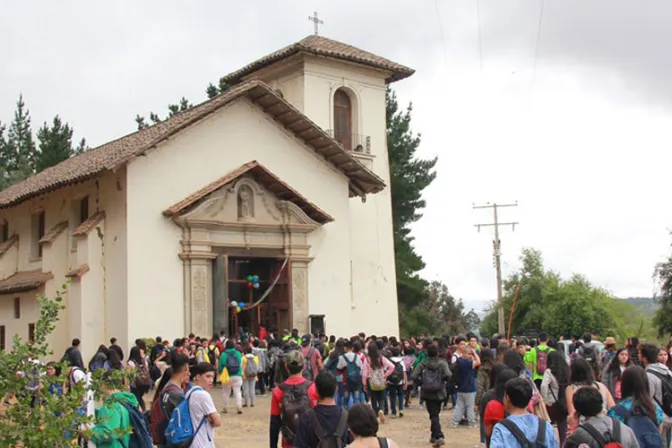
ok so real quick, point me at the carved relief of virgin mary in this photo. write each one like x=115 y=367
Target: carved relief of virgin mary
x=245 y=203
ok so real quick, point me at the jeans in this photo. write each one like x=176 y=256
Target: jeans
x=465 y=404
x=248 y=388
x=139 y=391
x=434 y=409
x=396 y=395
x=340 y=393
x=235 y=383
x=356 y=397
x=377 y=398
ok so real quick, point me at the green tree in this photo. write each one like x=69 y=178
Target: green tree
x=55 y=144
x=663 y=318
x=409 y=176
x=173 y=109
x=547 y=302
x=44 y=425
x=214 y=90
x=20 y=145
x=4 y=159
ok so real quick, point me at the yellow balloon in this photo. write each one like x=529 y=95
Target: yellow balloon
x=238 y=309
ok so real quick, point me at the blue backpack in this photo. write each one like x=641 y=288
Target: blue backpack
x=180 y=431
x=232 y=363
x=645 y=429
x=352 y=371
x=141 y=437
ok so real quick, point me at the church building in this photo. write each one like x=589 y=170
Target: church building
x=268 y=205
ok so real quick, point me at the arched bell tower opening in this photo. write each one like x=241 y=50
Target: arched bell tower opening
x=346 y=119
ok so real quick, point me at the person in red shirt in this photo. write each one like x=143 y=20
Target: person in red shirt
x=495 y=411
x=294 y=363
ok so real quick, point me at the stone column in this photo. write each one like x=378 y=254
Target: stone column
x=198 y=295
x=300 y=295
x=220 y=295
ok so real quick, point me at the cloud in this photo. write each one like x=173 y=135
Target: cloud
x=580 y=138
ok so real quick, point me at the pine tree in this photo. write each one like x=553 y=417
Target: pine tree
x=20 y=145
x=81 y=147
x=4 y=159
x=55 y=144
x=409 y=176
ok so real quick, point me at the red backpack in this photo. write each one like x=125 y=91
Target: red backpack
x=158 y=419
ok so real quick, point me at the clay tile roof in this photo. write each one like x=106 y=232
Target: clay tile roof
x=321 y=46
x=51 y=235
x=119 y=152
x=4 y=247
x=266 y=178
x=24 y=281
x=88 y=225
x=78 y=271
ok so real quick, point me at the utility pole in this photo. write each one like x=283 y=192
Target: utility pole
x=497 y=250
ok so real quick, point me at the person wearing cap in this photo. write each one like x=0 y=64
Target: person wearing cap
x=294 y=363
x=313 y=355
x=609 y=352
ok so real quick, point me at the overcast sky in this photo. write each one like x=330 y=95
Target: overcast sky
x=573 y=118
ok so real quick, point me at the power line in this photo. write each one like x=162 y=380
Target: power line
x=497 y=252
x=536 y=46
x=443 y=40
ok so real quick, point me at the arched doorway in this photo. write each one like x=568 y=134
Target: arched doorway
x=343 y=119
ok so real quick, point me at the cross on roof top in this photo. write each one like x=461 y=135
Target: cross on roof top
x=316 y=21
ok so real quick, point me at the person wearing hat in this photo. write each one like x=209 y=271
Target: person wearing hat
x=303 y=397
x=609 y=353
x=312 y=355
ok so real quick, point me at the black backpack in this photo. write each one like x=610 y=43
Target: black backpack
x=666 y=386
x=612 y=439
x=295 y=401
x=397 y=375
x=454 y=381
x=432 y=380
x=333 y=440
x=540 y=441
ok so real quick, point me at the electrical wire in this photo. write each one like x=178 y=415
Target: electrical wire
x=443 y=40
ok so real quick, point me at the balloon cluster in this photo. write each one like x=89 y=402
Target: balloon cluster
x=239 y=306
x=253 y=281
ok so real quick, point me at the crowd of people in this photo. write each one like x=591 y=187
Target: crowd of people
x=337 y=392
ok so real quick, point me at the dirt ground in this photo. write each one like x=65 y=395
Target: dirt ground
x=250 y=430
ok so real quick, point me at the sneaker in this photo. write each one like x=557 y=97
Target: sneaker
x=432 y=441
x=240 y=411
x=225 y=411
x=439 y=442
x=245 y=405
x=394 y=415
x=455 y=425
x=401 y=414
x=381 y=417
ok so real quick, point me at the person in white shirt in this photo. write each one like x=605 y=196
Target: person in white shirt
x=202 y=407
x=396 y=383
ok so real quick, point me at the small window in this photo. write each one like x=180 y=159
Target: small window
x=17 y=308
x=2 y=337
x=83 y=209
x=5 y=231
x=343 y=119
x=38 y=228
x=31 y=332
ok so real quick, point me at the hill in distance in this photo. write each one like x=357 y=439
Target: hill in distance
x=644 y=304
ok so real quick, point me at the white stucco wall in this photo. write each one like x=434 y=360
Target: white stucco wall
x=59 y=257
x=372 y=244
x=30 y=312
x=233 y=136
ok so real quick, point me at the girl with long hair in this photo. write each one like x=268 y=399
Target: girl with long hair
x=376 y=366
x=611 y=377
x=113 y=361
x=142 y=381
x=636 y=397
x=581 y=375
x=553 y=386
x=98 y=360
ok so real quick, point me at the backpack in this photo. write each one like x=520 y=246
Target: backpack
x=377 y=380
x=540 y=441
x=65 y=359
x=590 y=355
x=158 y=419
x=666 y=387
x=542 y=360
x=644 y=428
x=614 y=439
x=251 y=368
x=454 y=381
x=308 y=370
x=397 y=375
x=141 y=437
x=295 y=401
x=232 y=363
x=143 y=377
x=431 y=380
x=353 y=372
x=180 y=431
x=212 y=354
x=333 y=440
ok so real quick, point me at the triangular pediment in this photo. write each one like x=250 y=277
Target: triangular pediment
x=250 y=195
